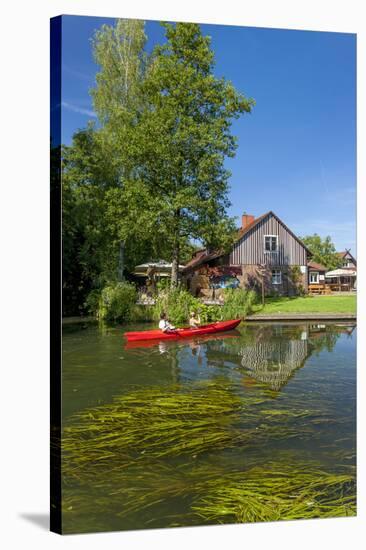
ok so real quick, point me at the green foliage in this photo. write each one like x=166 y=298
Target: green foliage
x=177 y=304
x=116 y=302
x=237 y=303
x=295 y=276
x=163 y=285
x=141 y=313
x=280 y=492
x=177 y=147
x=323 y=250
x=207 y=313
x=151 y=175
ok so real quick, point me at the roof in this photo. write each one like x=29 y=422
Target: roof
x=315 y=265
x=344 y=253
x=195 y=262
x=203 y=258
x=196 y=256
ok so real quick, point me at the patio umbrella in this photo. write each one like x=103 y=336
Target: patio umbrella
x=162 y=268
x=338 y=273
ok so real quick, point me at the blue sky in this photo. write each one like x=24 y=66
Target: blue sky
x=297 y=150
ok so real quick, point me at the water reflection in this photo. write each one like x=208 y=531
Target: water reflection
x=270 y=354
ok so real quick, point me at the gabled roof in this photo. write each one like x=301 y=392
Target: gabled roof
x=345 y=253
x=249 y=227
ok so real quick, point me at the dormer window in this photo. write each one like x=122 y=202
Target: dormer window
x=270 y=243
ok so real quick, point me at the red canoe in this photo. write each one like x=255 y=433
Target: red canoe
x=212 y=328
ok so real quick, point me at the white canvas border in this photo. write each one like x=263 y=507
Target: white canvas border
x=24 y=234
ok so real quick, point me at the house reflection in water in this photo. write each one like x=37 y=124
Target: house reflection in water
x=274 y=362
x=272 y=354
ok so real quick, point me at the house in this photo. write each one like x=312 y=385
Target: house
x=347 y=260
x=265 y=252
x=345 y=277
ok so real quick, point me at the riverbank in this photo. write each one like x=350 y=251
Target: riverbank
x=331 y=308
x=303 y=317
x=307 y=307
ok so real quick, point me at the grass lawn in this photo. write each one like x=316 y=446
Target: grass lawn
x=307 y=304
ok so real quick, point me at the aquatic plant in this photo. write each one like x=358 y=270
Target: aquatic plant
x=132 y=460
x=143 y=494
x=278 y=491
x=156 y=422
x=167 y=421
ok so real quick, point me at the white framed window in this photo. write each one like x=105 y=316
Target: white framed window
x=276 y=277
x=314 y=277
x=270 y=243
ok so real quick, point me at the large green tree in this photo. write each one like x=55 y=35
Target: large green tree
x=323 y=250
x=149 y=176
x=176 y=147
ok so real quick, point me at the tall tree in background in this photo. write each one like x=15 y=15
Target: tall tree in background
x=181 y=137
x=323 y=250
x=119 y=52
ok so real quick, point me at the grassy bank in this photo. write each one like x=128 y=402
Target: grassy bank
x=307 y=304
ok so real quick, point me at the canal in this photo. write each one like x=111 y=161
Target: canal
x=258 y=424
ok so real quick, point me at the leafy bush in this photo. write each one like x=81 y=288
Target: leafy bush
x=163 y=284
x=177 y=304
x=237 y=303
x=141 y=313
x=208 y=313
x=92 y=302
x=115 y=302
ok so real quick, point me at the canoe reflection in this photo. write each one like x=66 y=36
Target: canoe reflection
x=166 y=344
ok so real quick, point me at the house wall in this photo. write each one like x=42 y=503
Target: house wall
x=252 y=278
x=249 y=250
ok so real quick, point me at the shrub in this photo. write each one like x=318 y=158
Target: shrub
x=115 y=302
x=208 y=313
x=92 y=302
x=237 y=303
x=177 y=304
x=141 y=313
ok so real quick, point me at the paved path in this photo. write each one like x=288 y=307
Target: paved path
x=303 y=317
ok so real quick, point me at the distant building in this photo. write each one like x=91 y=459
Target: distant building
x=348 y=261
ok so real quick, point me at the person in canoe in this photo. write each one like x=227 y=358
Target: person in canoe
x=194 y=320
x=164 y=324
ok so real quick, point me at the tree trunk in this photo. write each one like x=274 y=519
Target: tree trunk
x=176 y=251
x=121 y=261
x=175 y=266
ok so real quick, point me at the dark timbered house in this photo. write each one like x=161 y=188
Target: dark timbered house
x=265 y=252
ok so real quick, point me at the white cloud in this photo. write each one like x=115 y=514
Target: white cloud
x=79 y=110
x=77 y=74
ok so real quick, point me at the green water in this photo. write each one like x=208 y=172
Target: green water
x=295 y=385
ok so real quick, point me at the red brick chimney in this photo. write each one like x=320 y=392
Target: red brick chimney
x=246 y=219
